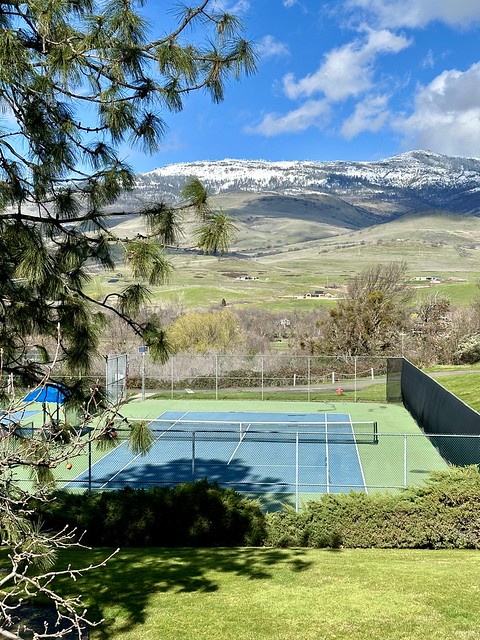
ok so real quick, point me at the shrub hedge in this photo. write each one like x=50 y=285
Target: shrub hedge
x=190 y=514
x=442 y=513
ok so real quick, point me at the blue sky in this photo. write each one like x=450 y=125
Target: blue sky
x=339 y=80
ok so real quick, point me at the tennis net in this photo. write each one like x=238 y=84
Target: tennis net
x=265 y=431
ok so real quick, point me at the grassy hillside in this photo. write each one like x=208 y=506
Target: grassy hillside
x=464 y=385
x=294 y=246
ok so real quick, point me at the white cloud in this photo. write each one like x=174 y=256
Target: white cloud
x=429 y=60
x=345 y=72
x=418 y=13
x=348 y=70
x=369 y=115
x=289 y=3
x=446 y=117
x=270 y=47
x=311 y=113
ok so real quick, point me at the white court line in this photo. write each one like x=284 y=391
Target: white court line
x=358 y=455
x=356 y=447
x=238 y=445
x=175 y=422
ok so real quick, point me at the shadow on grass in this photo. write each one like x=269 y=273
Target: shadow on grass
x=130 y=578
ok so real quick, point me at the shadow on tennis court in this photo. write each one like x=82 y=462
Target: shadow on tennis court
x=273 y=489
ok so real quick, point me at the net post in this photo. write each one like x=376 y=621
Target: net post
x=375 y=432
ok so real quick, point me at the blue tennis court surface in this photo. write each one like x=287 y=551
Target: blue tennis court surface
x=254 y=452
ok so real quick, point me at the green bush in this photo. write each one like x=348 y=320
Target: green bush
x=443 y=513
x=191 y=514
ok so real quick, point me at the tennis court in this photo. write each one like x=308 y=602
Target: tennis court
x=281 y=452
x=255 y=452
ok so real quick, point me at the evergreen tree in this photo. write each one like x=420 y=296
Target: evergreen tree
x=77 y=79
x=369 y=319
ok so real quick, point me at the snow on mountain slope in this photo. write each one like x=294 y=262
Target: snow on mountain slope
x=414 y=179
x=414 y=174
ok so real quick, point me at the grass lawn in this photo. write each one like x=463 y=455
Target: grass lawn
x=282 y=594
x=465 y=386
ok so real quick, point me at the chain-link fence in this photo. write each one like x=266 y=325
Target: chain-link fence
x=277 y=466
x=295 y=377
x=218 y=376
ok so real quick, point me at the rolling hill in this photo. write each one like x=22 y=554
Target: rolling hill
x=282 y=205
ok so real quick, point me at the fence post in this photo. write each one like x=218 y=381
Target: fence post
x=355 y=376
x=216 y=377
x=296 y=474
x=327 y=462
x=89 y=466
x=262 y=373
x=308 y=379
x=172 y=371
x=193 y=456
x=405 y=466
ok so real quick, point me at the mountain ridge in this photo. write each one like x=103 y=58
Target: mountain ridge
x=282 y=206
x=408 y=181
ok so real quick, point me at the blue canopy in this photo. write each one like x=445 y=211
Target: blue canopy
x=49 y=393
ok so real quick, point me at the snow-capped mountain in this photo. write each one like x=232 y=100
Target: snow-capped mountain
x=417 y=180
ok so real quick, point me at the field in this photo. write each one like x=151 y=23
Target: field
x=288 y=263
x=280 y=594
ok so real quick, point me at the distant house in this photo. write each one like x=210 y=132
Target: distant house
x=430 y=279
